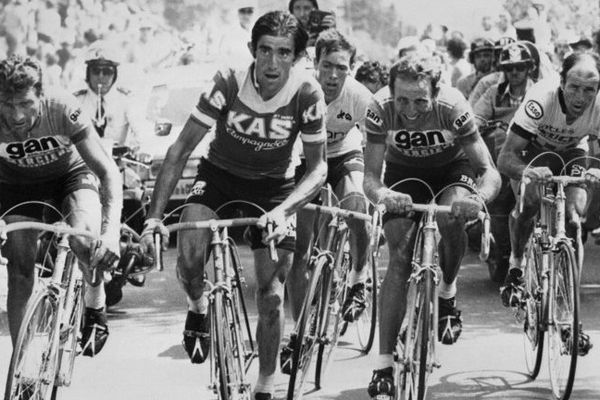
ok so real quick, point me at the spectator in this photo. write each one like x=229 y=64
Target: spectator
x=460 y=67
x=505 y=27
x=234 y=43
x=373 y=75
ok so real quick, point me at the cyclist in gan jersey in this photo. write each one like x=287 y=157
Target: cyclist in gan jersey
x=346 y=101
x=50 y=152
x=258 y=113
x=423 y=130
x=550 y=118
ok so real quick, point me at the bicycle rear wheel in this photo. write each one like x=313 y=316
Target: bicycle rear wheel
x=533 y=335
x=306 y=332
x=367 y=322
x=563 y=333
x=34 y=359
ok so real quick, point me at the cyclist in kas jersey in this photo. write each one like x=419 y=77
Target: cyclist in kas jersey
x=426 y=130
x=258 y=112
x=49 y=151
x=552 y=117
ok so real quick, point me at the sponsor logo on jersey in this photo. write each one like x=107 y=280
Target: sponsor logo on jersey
x=75 y=115
x=313 y=113
x=34 y=152
x=421 y=143
x=534 y=110
x=374 y=118
x=462 y=120
x=558 y=135
x=344 y=115
x=335 y=136
x=279 y=127
x=217 y=100
x=197 y=189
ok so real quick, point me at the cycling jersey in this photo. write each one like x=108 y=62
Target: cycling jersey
x=541 y=119
x=254 y=138
x=345 y=115
x=427 y=140
x=47 y=151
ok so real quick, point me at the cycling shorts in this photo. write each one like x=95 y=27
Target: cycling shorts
x=214 y=187
x=337 y=168
x=458 y=171
x=53 y=191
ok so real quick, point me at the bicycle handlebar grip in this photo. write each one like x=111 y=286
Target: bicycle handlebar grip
x=484 y=253
x=158 y=261
x=272 y=250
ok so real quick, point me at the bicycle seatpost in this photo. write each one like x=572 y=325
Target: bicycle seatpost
x=158 y=261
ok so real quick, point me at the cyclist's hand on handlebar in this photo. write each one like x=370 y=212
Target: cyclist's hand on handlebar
x=592 y=176
x=397 y=202
x=104 y=253
x=147 y=236
x=537 y=174
x=466 y=208
x=280 y=225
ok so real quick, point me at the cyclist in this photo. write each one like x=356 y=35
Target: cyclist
x=346 y=101
x=494 y=110
x=50 y=152
x=115 y=113
x=422 y=129
x=373 y=75
x=555 y=118
x=482 y=58
x=258 y=114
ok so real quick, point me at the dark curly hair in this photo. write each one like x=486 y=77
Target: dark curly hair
x=280 y=23
x=331 y=40
x=18 y=74
x=372 y=71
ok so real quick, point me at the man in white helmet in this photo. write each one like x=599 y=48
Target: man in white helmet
x=115 y=113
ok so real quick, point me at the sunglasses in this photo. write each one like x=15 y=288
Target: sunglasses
x=106 y=71
x=515 y=67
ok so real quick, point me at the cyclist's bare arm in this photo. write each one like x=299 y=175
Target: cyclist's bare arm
x=172 y=168
x=311 y=182
x=111 y=186
x=372 y=185
x=509 y=160
x=481 y=161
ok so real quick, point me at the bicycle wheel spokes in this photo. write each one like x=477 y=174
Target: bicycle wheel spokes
x=533 y=338
x=367 y=322
x=563 y=333
x=33 y=363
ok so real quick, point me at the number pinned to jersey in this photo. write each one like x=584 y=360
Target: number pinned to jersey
x=534 y=110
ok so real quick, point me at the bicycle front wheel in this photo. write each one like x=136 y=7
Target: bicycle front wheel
x=367 y=321
x=533 y=338
x=34 y=359
x=306 y=332
x=563 y=331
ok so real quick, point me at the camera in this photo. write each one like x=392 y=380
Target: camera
x=315 y=21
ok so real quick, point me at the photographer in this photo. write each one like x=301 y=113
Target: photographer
x=313 y=20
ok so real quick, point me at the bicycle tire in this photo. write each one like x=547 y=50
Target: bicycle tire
x=306 y=333
x=37 y=341
x=367 y=323
x=533 y=334
x=426 y=337
x=219 y=351
x=329 y=325
x=565 y=326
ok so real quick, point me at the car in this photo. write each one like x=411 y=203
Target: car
x=173 y=95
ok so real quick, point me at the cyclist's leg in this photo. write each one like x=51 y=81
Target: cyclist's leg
x=298 y=276
x=451 y=252
x=350 y=188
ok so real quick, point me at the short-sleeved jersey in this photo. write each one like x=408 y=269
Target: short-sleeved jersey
x=346 y=118
x=47 y=150
x=254 y=138
x=541 y=119
x=429 y=140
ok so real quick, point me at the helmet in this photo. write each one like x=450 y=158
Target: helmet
x=102 y=53
x=478 y=45
x=503 y=42
x=515 y=53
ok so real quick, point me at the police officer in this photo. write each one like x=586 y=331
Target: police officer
x=482 y=58
x=116 y=114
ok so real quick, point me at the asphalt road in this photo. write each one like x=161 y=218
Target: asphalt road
x=144 y=358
